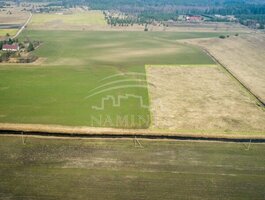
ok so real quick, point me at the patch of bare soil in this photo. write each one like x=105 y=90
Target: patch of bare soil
x=13 y=16
x=243 y=56
x=201 y=98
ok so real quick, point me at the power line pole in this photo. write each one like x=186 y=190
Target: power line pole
x=137 y=143
x=22 y=137
x=247 y=149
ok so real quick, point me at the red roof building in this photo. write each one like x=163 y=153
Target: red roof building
x=10 y=47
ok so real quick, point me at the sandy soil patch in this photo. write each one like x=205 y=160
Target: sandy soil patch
x=202 y=98
x=244 y=56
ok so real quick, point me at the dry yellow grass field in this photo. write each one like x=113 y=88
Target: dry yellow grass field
x=201 y=98
x=243 y=56
x=69 y=21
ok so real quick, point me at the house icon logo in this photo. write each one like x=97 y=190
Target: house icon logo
x=117 y=102
x=111 y=84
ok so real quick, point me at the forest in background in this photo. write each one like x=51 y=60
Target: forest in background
x=248 y=12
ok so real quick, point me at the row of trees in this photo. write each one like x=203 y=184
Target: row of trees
x=144 y=18
x=148 y=16
x=126 y=20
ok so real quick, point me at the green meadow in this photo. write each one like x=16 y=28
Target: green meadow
x=90 y=78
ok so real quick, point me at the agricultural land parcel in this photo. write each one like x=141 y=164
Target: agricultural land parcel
x=55 y=91
x=86 y=63
x=59 y=90
x=201 y=98
x=16 y=18
x=244 y=56
x=115 y=169
x=71 y=21
x=3 y=32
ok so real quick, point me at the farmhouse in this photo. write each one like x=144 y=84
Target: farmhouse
x=10 y=47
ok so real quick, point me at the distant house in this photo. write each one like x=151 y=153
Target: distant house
x=10 y=47
x=194 y=18
x=226 y=17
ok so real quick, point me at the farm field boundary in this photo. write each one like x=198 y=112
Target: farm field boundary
x=242 y=84
x=242 y=64
x=58 y=130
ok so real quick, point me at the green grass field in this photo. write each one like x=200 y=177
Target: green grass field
x=3 y=32
x=115 y=169
x=83 y=18
x=82 y=69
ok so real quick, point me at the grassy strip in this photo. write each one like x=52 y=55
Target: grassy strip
x=90 y=131
x=11 y=32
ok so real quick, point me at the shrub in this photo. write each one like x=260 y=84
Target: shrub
x=30 y=47
x=222 y=37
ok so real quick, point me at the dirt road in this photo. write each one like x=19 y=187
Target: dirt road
x=23 y=27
